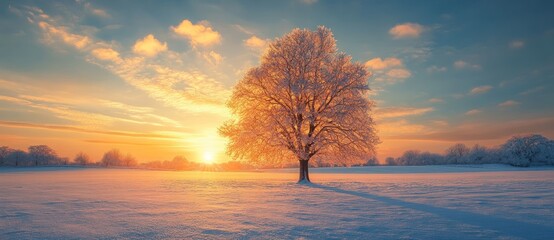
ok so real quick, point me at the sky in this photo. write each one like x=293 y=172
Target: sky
x=152 y=78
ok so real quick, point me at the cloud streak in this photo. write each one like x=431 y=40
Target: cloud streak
x=394 y=112
x=480 y=90
x=487 y=131
x=84 y=130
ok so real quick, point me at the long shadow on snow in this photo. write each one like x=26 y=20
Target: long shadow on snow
x=507 y=226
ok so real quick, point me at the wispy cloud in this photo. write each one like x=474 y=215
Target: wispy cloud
x=53 y=33
x=94 y=10
x=212 y=57
x=509 y=103
x=399 y=73
x=84 y=130
x=400 y=127
x=308 y=2
x=436 y=100
x=199 y=34
x=436 y=69
x=100 y=141
x=517 y=44
x=394 y=112
x=14 y=100
x=460 y=64
x=473 y=112
x=480 y=89
x=486 y=131
x=532 y=90
x=243 y=29
x=406 y=30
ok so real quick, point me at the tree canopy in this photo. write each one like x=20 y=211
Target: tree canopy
x=305 y=100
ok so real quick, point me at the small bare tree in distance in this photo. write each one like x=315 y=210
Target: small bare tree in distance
x=305 y=99
x=82 y=159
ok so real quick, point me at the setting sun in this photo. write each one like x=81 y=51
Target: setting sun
x=208 y=157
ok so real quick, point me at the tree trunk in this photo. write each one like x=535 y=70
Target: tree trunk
x=304 y=174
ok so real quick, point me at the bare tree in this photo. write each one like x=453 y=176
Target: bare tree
x=129 y=160
x=42 y=154
x=112 y=158
x=17 y=158
x=82 y=159
x=457 y=153
x=4 y=153
x=304 y=100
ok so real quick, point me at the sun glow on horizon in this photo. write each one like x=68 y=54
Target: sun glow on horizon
x=208 y=157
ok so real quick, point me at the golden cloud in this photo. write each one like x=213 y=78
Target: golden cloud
x=255 y=42
x=149 y=46
x=106 y=54
x=200 y=34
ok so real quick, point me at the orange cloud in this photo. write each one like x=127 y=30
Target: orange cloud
x=200 y=34
x=406 y=30
x=149 y=46
x=392 y=112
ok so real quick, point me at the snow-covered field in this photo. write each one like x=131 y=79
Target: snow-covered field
x=431 y=202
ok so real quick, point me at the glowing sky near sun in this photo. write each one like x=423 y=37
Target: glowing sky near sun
x=152 y=78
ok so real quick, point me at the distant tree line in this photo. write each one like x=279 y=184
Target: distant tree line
x=519 y=151
x=38 y=155
x=42 y=155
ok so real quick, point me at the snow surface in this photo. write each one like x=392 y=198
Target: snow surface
x=428 y=202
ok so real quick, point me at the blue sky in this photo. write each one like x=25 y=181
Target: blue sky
x=95 y=75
